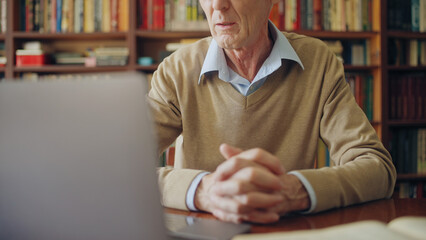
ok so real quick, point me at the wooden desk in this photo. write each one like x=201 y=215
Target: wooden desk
x=382 y=210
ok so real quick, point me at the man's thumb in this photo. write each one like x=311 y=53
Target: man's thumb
x=228 y=151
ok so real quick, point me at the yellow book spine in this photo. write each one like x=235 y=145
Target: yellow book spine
x=123 y=16
x=89 y=16
x=106 y=16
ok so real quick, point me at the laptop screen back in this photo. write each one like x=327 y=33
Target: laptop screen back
x=77 y=160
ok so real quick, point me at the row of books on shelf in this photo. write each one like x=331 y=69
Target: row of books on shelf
x=407 y=97
x=3 y=19
x=329 y=15
x=172 y=15
x=407 y=15
x=351 y=52
x=410 y=52
x=73 y=16
x=408 y=150
x=411 y=190
x=362 y=88
x=33 y=54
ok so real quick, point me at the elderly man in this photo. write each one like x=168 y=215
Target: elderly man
x=247 y=107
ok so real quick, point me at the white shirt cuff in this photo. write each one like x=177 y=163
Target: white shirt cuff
x=309 y=188
x=190 y=195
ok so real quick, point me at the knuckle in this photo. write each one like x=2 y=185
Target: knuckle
x=251 y=173
x=257 y=152
x=236 y=163
x=240 y=187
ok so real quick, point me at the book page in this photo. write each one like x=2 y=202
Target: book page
x=414 y=227
x=364 y=230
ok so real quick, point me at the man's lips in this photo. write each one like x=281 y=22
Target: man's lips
x=225 y=24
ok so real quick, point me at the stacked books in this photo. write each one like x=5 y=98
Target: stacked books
x=69 y=58
x=31 y=55
x=111 y=56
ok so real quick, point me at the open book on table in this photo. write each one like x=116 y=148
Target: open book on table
x=411 y=228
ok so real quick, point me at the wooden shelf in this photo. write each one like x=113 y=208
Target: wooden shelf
x=70 y=36
x=406 y=34
x=170 y=34
x=360 y=68
x=411 y=177
x=407 y=123
x=407 y=68
x=338 y=35
x=69 y=69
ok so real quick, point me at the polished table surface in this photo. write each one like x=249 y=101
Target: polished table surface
x=381 y=210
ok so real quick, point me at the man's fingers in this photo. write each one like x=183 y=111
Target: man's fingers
x=259 y=200
x=247 y=180
x=228 y=151
x=260 y=177
x=263 y=158
x=229 y=205
x=241 y=159
x=231 y=166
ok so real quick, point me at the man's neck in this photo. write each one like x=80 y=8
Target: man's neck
x=247 y=61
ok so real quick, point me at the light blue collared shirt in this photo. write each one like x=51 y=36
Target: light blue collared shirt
x=215 y=61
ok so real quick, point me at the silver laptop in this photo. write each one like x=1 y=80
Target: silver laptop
x=77 y=161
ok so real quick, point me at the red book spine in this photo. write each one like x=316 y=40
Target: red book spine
x=114 y=16
x=281 y=5
x=143 y=13
x=298 y=17
x=53 y=15
x=317 y=15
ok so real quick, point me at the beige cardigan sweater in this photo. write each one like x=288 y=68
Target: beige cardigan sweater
x=286 y=116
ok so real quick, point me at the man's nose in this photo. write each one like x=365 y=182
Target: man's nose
x=220 y=5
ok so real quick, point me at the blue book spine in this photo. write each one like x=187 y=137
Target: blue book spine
x=58 y=16
x=415 y=15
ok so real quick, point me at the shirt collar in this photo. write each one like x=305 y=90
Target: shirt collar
x=215 y=60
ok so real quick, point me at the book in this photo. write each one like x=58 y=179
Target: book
x=3 y=17
x=415 y=15
x=98 y=15
x=401 y=228
x=59 y=16
x=78 y=16
x=123 y=16
x=89 y=16
x=114 y=15
x=106 y=14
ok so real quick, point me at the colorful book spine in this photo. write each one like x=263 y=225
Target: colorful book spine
x=58 y=16
x=89 y=16
x=106 y=14
x=3 y=17
x=78 y=16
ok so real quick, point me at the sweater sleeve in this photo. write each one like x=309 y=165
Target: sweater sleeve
x=166 y=113
x=363 y=168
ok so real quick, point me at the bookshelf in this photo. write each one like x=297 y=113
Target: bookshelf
x=149 y=42
x=402 y=117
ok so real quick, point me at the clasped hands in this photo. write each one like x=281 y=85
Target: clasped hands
x=250 y=186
